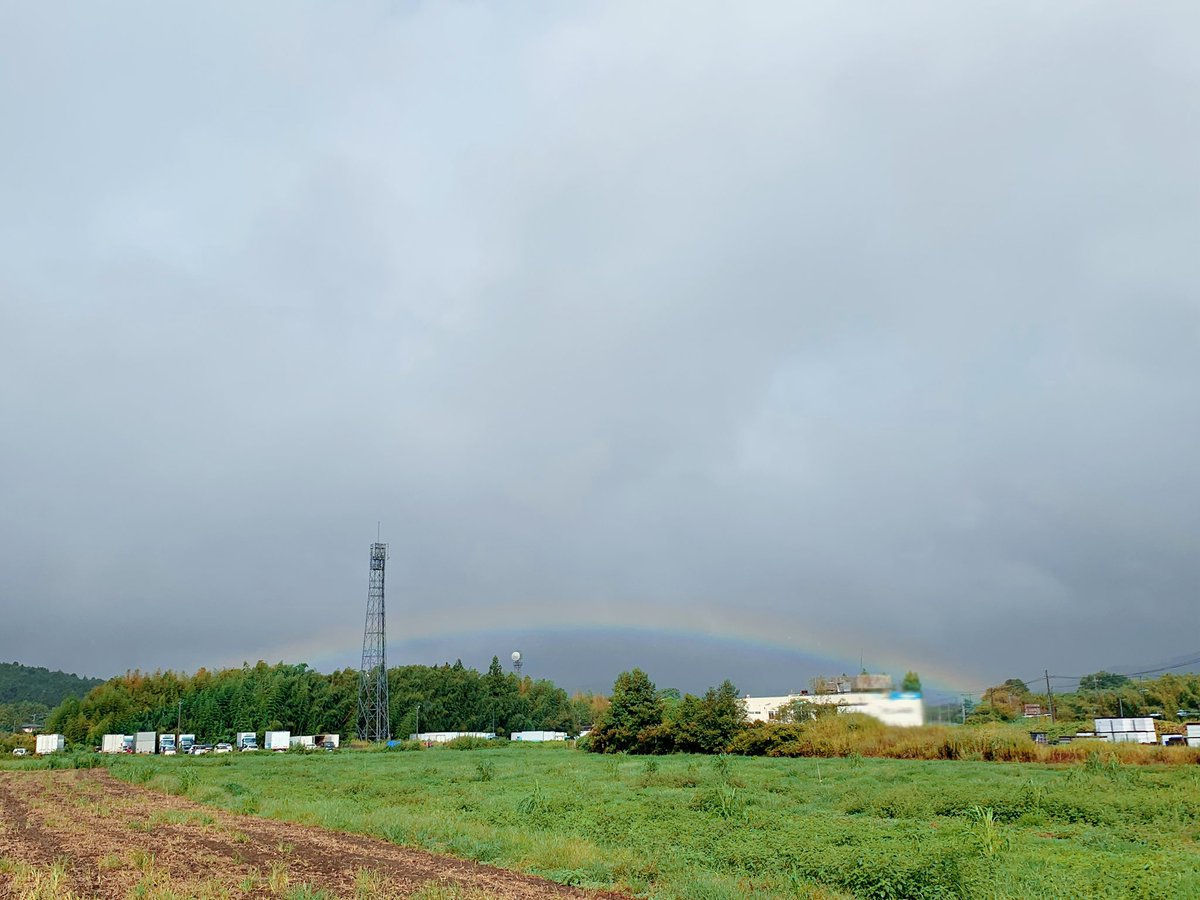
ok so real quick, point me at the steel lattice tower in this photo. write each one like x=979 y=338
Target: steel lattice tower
x=374 y=722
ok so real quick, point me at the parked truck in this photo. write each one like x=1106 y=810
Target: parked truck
x=167 y=745
x=116 y=743
x=329 y=741
x=145 y=742
x=186 y=743
x=50 y=743
x=246 y=740
x=276 y=740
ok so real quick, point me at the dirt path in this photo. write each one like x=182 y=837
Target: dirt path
x=82 y=833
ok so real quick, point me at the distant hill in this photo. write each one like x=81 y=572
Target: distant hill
x=33 y=684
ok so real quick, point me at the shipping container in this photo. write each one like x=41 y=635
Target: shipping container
x=276 y=740
x=50 y=743
x=146 y=742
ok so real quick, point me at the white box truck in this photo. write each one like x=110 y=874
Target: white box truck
x=329 y=741
x=112 y=743
x=246 y=740
x=166 y=745
x=145 y=742
x=186 y=743
x=50 y=743
x=276 y=740
x=302 y=742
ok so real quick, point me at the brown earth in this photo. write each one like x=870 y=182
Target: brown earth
x=82 y=833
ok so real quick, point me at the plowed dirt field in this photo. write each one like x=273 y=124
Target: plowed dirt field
x=82 y=833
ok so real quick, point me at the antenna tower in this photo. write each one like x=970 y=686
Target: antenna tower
x=374 y=722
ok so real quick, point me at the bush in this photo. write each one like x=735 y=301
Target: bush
x=403 y=746
x=762 y=738
x=465 y=742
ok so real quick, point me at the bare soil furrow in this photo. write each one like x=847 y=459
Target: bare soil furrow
x=114 y=839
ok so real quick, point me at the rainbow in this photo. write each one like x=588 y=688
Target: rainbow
x=835 y=651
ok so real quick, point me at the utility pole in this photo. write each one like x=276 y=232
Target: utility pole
x=963 y=701
x=1049 y=694
x=179 y=718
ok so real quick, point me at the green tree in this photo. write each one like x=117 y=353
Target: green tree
x=1102 y=681
x=707 y=724
x=911 y=682
x=635 y=712
x=804 y=710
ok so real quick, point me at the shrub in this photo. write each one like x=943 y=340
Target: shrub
x=404 y=746
x=466 y=742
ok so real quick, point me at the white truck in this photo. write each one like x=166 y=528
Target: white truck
x=277 y=740
x=50 y=743
x=302 y=742
x=145 y=742
x=186 y=743
x=329 y=741
x=166 y=745
x=246 y=740
x=116 y=743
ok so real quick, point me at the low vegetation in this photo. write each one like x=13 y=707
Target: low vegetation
x=858 y=735
x=644 y=720
x=726 y=826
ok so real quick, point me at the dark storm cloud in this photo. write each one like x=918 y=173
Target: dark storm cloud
x=863 y=333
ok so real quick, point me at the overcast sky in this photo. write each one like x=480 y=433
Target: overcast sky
x=749 y=337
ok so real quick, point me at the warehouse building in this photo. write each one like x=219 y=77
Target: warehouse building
x=902 y=708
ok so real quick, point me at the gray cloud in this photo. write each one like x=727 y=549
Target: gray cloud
x=853 y=333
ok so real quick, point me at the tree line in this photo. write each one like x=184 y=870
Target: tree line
x=38 y=685
x=214 y=705
x=1171 y=696
x=642 y=719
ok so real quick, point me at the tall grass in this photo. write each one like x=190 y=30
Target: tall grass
x=734 y=826
x=851 y=734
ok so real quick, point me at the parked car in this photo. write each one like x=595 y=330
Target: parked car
x=20 y=751
x=223 y=748
x=199 y=749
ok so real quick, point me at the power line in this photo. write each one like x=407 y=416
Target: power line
x=1187 y=662
x=1029 y=682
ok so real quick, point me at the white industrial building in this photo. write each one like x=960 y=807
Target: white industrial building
x=903 y=708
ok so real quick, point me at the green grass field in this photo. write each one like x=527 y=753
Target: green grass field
x=724 y=827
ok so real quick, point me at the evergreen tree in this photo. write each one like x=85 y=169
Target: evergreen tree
x=630 y=722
